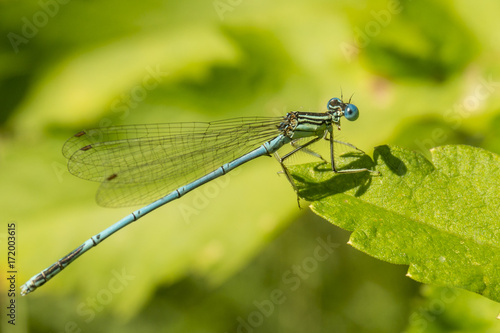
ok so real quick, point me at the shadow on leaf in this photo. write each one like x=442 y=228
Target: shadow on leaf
x=317 y=181
x=393 y=163
x=314 y=188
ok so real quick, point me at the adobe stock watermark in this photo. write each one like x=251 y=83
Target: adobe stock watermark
x=137 y=94
x=460 y=111
x=292 y=280
x=363 y=36
x=123 y=104
x=224 y=6
x=421 y=317
x=93 y=305
x=32 y=25
x=201 y=198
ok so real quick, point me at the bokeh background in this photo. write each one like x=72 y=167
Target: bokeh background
x=237 y=255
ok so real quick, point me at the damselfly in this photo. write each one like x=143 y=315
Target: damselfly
x=139 y=164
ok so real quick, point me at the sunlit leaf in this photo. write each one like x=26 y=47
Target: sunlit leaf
x=438 y=216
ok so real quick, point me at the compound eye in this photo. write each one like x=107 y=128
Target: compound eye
x=351 y=112
x=334 y=103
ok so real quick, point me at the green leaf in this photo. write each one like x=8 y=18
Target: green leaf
x=440 y=217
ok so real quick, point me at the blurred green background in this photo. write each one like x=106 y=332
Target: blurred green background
x=236 y=255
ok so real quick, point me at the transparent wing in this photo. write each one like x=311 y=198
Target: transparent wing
x=138 y=164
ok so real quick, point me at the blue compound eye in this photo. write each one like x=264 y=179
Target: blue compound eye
x=351 y=112
x=333 y=103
